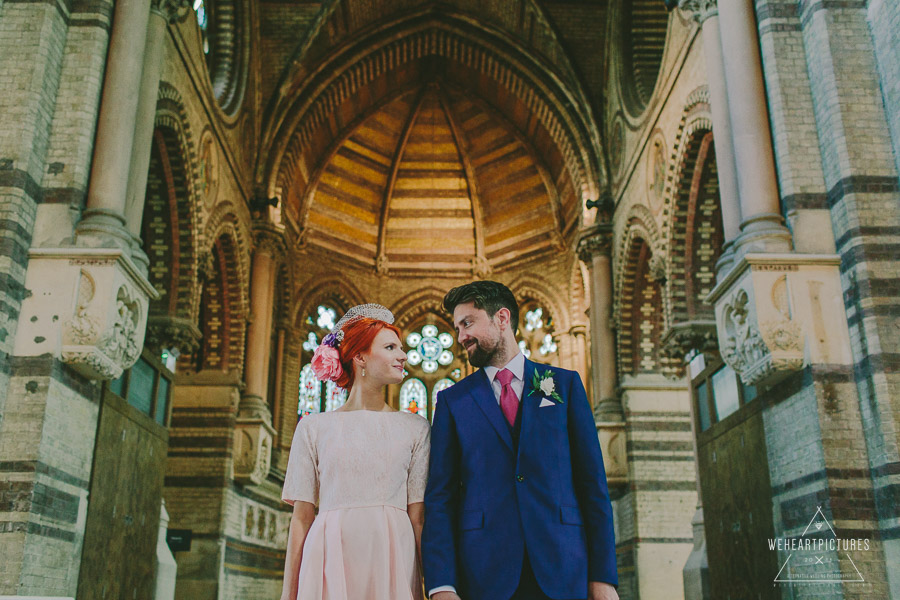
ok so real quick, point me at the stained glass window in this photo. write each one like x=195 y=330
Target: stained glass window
x=537 y=332
x=414 y=397
x=440 y=386
x=310 y=392
x=202 y=23
x=314 y=396
x=548 y=346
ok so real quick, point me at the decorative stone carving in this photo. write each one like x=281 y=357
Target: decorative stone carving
x=206 y=267
x=596 y=239
x=771 y=312
x=381 y=265
x=700 y=10
x=252 y=450
x=615 y=460
x=481 y=268
x=263 y=525
x=657 y=266
x=681 y=338
x=173 y=11
x=173 y=332
x=88 y=307
x=268 y=239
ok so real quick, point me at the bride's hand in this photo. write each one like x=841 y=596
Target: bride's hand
x=445 y=596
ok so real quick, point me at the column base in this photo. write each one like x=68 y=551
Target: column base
x=611 y=435
x=252 y=450
x=102 y=228
x=777 y=313
x=88 y=307
x=763 y=233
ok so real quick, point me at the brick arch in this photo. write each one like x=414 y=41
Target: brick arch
x=697 y=233
x=641 y=319
x=170 y=228
x=223 y=309
x=234 y=219
x=363 y=72
x=641 y=37
x=229 y=29
x=418 y=304
x=638 y=223
x=336 y=289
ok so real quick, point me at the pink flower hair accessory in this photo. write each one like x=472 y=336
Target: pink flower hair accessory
x=326 y=363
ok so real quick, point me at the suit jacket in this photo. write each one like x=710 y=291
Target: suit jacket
x=488 y=502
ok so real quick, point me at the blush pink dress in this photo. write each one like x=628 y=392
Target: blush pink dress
x=362 y=468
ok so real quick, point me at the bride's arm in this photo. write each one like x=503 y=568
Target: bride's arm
x=416 y=512
x=301 y=521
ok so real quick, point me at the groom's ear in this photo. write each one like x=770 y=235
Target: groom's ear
x=502 y=316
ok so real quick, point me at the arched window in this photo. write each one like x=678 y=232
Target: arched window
x=414 y=397
x=434 y=366
x=203 y=23
x=537 y=340
x=314 y=395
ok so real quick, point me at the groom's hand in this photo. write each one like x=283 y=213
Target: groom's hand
x=597 y=590
x=445 y=596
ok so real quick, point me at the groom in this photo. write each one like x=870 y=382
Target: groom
x=516 y=506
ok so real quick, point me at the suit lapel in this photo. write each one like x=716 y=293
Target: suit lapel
x=529 y=406
x=484 y=398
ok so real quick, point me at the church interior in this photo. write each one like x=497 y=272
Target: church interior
x=696 y=203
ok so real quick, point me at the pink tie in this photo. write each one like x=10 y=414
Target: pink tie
x=509 y=402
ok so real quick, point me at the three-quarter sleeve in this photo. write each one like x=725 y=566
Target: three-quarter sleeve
x=418 y=465
x=301 y=481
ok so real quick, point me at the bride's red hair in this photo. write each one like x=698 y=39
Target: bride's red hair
x=358 y=337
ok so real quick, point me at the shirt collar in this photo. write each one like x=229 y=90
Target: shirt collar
x=516 y=365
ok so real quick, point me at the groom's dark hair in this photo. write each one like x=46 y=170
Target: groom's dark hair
x=489 y=296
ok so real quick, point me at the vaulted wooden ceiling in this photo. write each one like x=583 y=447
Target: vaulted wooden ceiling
x=433 y=180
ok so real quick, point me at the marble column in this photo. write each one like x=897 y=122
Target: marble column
x=762 y=226
x=706 y=13
x=162 y=12
x=103 y=221
x=594 y=249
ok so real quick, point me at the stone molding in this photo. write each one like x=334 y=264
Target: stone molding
x=681 y=338
x=88 y=307
x=268 y=240
x=596 y=239
x=173 y=332
x=253 y=440
x=777 y=313
x=699 y=10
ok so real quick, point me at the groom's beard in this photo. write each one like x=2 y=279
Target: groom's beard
x=481 y=354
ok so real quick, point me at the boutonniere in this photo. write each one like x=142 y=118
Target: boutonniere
x=544 y=384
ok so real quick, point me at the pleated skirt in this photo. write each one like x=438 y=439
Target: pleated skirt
x=366 y=553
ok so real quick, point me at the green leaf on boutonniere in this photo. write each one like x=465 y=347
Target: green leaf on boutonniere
x=538 y=385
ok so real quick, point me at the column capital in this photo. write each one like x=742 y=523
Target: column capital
x=700 y=10
x=172 y=11
x=596 y=239
x=268 y=240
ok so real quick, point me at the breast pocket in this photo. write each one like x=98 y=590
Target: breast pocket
x=471 y=519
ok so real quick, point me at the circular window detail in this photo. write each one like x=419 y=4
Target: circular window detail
x=222 y=26
x=644 y=27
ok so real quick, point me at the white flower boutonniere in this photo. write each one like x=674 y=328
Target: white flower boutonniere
x=545 y=384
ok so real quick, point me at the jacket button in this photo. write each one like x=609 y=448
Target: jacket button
x=520 y=478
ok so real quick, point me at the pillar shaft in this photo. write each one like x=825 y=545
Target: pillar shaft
x=762 y=228
x=258 y=342
x=594 y=249
x=104 y=216
x=144 y=122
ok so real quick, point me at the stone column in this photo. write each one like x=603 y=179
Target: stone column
x=762 y=226
x=256 y=367
x=103 y=221
x=162 y=12
x=594 y=250
x=279 y=376
x=707 y=15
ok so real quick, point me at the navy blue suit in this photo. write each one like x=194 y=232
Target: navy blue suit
x=490 y=499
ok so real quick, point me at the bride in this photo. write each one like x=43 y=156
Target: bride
x=365 y=465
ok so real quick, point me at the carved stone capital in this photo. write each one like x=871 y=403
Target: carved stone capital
x=206 y=267
x=657 y=266
x=596 y=239
x=481 y=268
x=381 y=266
x=615 y=457
x=173 y=332
x=88 y=307
x=776 y=313
x=173 y=11
x=700 y=10
x=682 y=338
x=268 y=240
x=252 y=450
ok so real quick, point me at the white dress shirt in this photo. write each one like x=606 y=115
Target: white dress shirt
x=517 y=366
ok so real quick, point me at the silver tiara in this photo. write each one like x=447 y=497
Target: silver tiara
x=361 y=311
